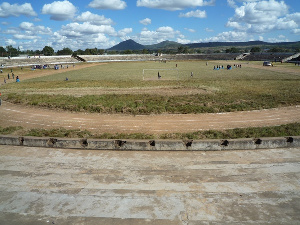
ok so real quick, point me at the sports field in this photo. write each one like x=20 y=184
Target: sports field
x=123 y=88
x=119 y=87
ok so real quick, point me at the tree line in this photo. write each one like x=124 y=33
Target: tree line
x=10 y=51
x=47 y=51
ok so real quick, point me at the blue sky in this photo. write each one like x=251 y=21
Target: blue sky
x=78 y=24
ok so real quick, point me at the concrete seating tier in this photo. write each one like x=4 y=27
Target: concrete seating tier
x=274 y=57
x=43 y=60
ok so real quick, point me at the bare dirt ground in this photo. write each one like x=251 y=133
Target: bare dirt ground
x=32 y=117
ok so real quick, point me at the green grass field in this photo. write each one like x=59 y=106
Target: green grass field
x=118 y=87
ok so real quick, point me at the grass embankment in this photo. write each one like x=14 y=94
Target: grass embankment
x=208 y=91
x=255 y=132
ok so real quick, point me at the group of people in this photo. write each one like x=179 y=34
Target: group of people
x=218 y=67
x=12 y=75
x=56 y=67
x=229 y=67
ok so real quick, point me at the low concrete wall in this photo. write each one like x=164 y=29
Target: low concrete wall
x=153 y=145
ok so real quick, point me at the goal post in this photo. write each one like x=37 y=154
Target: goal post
x=163 y=74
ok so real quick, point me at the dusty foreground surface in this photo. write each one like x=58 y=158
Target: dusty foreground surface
x=53 y=186
x=29 y=117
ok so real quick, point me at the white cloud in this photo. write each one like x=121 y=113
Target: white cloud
x=284 y=23
x=165 y=29
x=36 y=19
x=111 y=4
x=260 y=29
x=10 y=42
x=26 y=36
x=60 y=10
x=35 y=29
x=86 y=28
x=11 y=31
x=263 y=12
x=146 y=21
x=280 y=38
x=296 y=31
x=209 y=30
x=159 y=35
x=239 y=26
x=198 y=14
x=183 y=41
x=94 y=19
x=7 y=10
x=98 y=40
x=261 y=16
x=294 y=17
x=231 y=4
x=230 y=36
x=124 y=32
x=190 y=30
x=173 y=4
x=60 y=38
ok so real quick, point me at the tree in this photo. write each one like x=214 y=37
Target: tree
x=255 y=49
x=11 y=51
x=277 y=49
x=2 y=51
x=65 y=51
x=79 y=52
x=127 y=52
x=37 y=52
x=145 y=51
x=183 y=49
x=180 y=49
x=101 y=51
x=90 y=51
x=232 y=50
x=47 y=50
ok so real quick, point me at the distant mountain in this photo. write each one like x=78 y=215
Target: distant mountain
x=248 y=43
x=164 y=45
x=127 y=45
x=132 y=45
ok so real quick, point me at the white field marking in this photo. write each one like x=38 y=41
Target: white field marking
x=237 y=121
x=69 y=121
x=16 y=121
x=39 y=115
x=13 y=110
x=223 y=113
x=82 y=119
x=125 y=120
x=35 y=123
x=160 y=130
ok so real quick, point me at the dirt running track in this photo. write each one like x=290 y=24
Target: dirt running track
x=29 y=117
